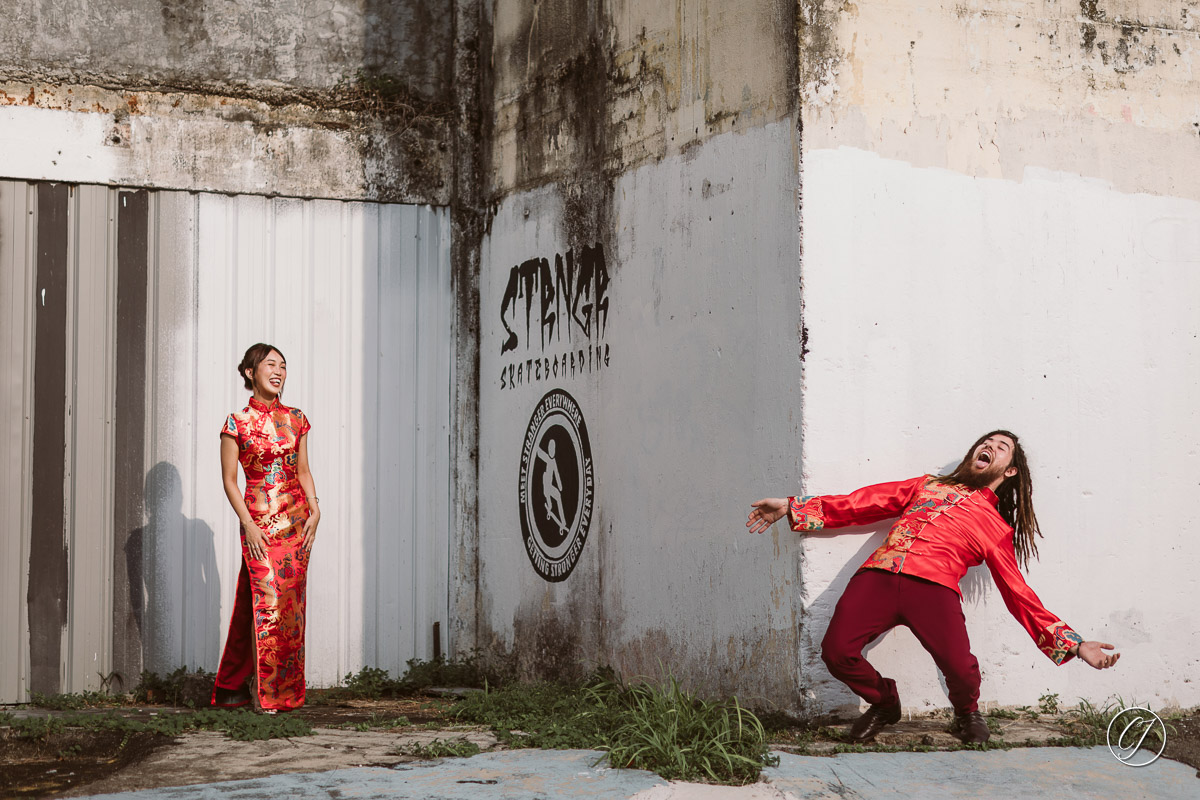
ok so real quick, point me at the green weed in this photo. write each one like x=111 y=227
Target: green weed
x=1003 y=713
x=661 y=728
x=183 y=687
x=681 y=737
x=73 y=701
x=1048 y=703
x=460 y=747
x=241 y=725
x=372 y=683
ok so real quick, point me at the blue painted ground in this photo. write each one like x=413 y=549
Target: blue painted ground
x=566 y=775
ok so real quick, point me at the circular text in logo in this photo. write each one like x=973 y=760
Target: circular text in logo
x=556 y=486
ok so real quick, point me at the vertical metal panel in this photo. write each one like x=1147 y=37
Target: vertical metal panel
x=333 y=246
x=17 y=204
x=91 y=360
x=48 y=572
x=129 y=433
x=179 y=553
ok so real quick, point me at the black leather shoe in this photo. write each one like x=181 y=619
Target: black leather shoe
x=231 y=698
x=873 y=720
x=971 y=728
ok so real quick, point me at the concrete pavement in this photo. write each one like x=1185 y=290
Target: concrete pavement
x=571 y=774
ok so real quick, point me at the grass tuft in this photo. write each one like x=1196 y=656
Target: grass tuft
x=240 y=725
x=373 y=683
x=661 y=728
x=670 y=731
x=459 y=747
x=71 y=702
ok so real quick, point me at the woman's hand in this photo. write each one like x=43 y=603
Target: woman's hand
x=765 y=513
x=255 y=542
x=310 y=530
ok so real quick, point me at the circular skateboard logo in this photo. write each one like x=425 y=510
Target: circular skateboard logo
x=556 y=486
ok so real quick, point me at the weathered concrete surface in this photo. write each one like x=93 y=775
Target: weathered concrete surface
x=212 y=142
x=208 y=757
x=1101 y=88
x=613 y=85
x=667 y=353
x=347 y=99
x=211 y=44
x=562 y=775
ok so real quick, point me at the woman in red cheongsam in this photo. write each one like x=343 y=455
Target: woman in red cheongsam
x=279 y=517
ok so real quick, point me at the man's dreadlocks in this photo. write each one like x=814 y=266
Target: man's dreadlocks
x=1015 y=494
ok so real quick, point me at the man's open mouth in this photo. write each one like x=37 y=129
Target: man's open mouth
x=983 y=460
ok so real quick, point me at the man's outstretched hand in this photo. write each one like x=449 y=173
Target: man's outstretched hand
x=765 y=513
x=1093 y=654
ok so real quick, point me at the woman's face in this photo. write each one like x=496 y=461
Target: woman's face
x=269 y=376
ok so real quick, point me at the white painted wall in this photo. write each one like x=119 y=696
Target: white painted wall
x=697 y=414
x=940 y=306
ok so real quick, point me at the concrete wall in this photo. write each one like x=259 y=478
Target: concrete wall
x=652 y=151
x=261 y=46
x=1000 y=230
x=987 y=216
x=348 y=100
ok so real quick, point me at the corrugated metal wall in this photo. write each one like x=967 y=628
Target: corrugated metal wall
x=358 y=298
x=17 y=201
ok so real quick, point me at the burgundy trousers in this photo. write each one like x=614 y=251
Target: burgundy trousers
x=875 y=601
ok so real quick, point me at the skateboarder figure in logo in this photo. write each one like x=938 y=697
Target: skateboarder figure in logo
x=552 y=486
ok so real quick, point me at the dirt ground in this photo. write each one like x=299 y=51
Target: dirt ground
x=359 y=733
x=1183 y=741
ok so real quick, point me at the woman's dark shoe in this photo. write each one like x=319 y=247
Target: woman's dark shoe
x=971 y=728
x=873 y=720
x=231 y=698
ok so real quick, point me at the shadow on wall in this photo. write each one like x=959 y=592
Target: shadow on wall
x=174 y=586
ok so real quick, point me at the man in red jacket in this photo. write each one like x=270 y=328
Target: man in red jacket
x=982 y=511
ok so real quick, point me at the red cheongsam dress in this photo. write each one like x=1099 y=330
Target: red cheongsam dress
x=266 y=632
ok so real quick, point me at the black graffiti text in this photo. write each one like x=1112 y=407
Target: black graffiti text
x=569 y=299
x=592 y=358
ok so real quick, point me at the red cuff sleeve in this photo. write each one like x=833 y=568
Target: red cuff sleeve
x=804 y=513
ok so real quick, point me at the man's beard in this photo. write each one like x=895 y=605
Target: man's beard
x=977 y=480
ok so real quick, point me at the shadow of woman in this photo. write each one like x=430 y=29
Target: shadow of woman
x=174 y=586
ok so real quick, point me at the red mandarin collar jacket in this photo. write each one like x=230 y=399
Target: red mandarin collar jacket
x=943 y=530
